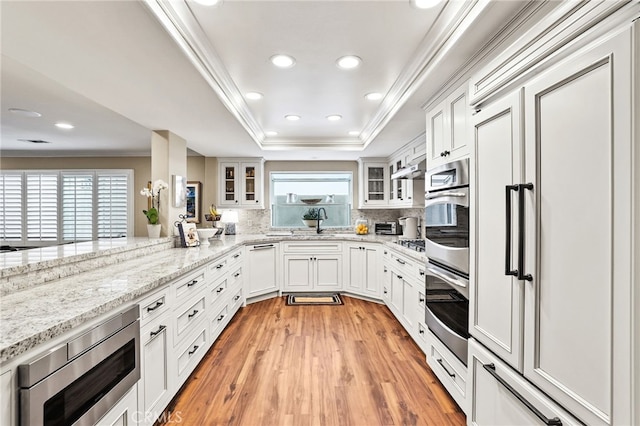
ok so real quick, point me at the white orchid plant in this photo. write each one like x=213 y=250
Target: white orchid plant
x=153 y=216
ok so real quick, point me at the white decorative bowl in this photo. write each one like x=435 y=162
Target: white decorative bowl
x=205 y=233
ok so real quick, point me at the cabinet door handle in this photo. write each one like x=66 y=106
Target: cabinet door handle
x=445 y=368
x=154 y=307
x=491 y=368
x=220 y=318
x=193 y=314
x=158 y=331
x=521 y=274
x=195 y=348
x=192 y=283
x=507 y=243
x=220 y=290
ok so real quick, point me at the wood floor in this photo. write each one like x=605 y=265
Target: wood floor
x=314 y=365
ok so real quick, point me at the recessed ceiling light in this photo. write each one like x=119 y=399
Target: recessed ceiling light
x=283 y=61
x=271 y=133
x=425 y=4
x=348 y=62
x=209 y=2
x=292 y=117
x=254 y=96
x=334 y=117
x=374 y=96
x=354 y=133
x=25 y=112
x=65 y=126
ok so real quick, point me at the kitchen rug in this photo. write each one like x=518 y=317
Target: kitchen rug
x=314 y=299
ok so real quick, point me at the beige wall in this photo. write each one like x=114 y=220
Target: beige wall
x=141 y=175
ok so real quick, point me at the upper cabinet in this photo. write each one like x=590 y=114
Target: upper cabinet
x=241 y=183
x=447 y=131
x=378 y=190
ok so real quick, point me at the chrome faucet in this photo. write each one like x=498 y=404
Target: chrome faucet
x=321 y=210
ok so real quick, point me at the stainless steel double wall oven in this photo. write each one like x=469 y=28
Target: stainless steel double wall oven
x=447 y=250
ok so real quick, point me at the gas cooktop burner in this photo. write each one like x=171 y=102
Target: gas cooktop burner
x=417 y=245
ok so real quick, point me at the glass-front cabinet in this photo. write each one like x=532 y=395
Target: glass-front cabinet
x=374 y=183
x=241 y=183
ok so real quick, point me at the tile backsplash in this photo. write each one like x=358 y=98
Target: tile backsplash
x=259 y=221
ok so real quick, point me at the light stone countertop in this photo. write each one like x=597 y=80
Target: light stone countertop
x=33 y=315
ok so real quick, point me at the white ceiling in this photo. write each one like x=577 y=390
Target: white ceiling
x=119 y=69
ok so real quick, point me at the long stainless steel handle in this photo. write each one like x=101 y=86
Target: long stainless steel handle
x=491 y=368
x=451 y=279
x=521 y=234
x=445 y=194
x=507 y=240
x=445 y=368
x=264 y=246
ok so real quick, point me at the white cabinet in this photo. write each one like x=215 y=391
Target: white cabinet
x=504 y=398
x=156 y=386
x=373 y=183
x=6 y=397
x=262 y=269
x=241 y=183
x=407 y=192
x=363 y=269
x=312 y=266
x=447 y=132
x=448 y=368
x=564 y=319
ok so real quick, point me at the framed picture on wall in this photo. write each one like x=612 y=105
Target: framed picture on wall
x=194 y=201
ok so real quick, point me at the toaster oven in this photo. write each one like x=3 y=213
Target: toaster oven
x=387 y=228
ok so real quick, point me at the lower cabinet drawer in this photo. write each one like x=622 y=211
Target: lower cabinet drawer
x=501 y=396
x=236 y=300
x=218 y=321
x=189 y=357
x=188 y=316
x=219 y=291
x=448 y=368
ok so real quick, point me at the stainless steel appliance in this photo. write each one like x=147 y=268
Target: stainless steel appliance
x=387 y=228
x=447 y=250
x=411 y=171
x=79 y=381
x=447 y=216
x=417 y=245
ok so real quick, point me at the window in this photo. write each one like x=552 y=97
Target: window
x=290 y=190
x=40 y=207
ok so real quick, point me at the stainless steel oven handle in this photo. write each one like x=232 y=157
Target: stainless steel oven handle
x=445 y=194
x=451 y=279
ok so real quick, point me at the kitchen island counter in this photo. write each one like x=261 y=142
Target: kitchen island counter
x=32 y=315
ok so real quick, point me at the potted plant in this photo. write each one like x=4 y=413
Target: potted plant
x=311 y=217
x=152 y=214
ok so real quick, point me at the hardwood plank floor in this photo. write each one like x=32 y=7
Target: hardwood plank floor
x=314 y=365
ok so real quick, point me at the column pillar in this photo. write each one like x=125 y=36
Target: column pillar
x=168 y=159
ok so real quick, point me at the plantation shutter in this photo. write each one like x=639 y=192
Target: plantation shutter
x=77 y=206
x=11 y=207
x=112 y=205
x=42 y=206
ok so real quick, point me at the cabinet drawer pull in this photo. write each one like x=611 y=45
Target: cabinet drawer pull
x=220 y=266
x=421 y=273
x=195 y=348
x=421 y=331
x=263 y=246
x=491 y=368
x=192 y=283
x=384 y=291
x=421 y=299
x=154 y=307
x=160 y=330
x=235 y=299
x=220 y=290
x=193 y=314
x=220 y=318
x=236 y=275
x=445 y=368
x=399 y=277
x=237 y=255
x=402 y=262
